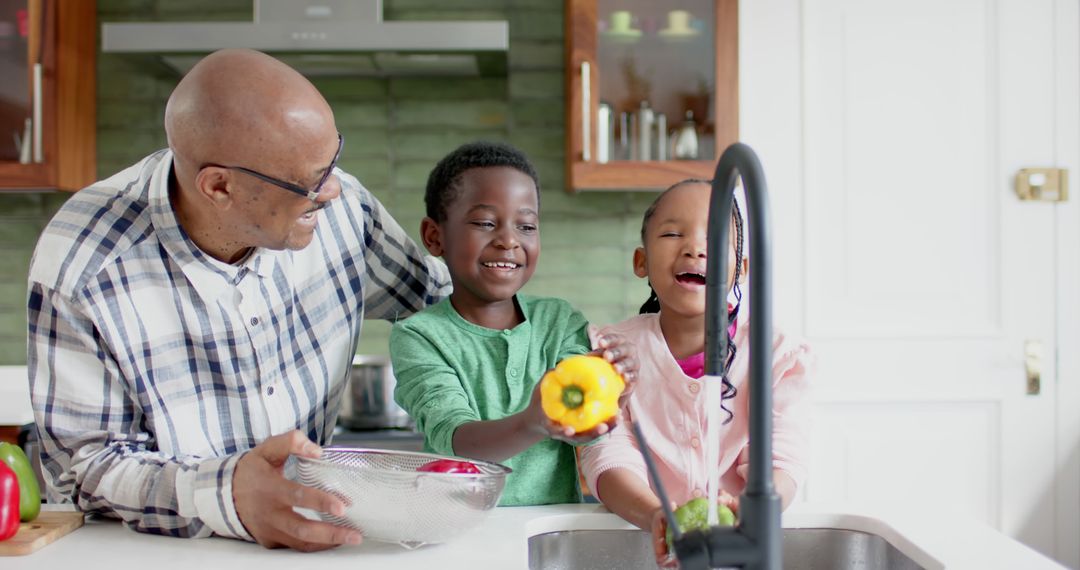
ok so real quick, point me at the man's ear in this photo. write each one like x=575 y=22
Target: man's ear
x=212 y=183
x=639 y=263
x=431 y=234
x=744 y=270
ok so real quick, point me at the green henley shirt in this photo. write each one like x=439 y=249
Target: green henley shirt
x=450 y=372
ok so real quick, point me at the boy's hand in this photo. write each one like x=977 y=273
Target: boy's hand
x=621 y=353
x=538 y=421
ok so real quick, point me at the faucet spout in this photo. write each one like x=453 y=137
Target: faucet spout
x=755 y=542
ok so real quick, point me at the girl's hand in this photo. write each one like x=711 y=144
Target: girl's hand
x=664 y=558
x=621 y=353
x=729 y=502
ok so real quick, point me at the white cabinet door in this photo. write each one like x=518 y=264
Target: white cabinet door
x=903 y=253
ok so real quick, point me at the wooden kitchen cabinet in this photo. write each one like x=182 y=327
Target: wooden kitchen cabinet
x=60 y=36
x=678 y=57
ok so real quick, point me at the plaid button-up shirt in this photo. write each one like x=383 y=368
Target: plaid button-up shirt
x=154 y=367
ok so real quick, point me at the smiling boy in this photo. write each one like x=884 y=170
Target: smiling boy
x=467 y=368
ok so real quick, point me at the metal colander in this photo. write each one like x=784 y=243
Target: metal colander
x=387 y=499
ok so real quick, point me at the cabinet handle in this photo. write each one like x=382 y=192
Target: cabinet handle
x=38 y=144
x=39 y=155
x=586 y=111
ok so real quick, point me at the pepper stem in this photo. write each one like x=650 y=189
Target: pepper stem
x=573 y=397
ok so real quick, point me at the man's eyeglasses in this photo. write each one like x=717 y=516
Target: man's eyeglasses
x=296 y=189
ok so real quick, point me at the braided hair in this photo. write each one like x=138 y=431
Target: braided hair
x=652 y=304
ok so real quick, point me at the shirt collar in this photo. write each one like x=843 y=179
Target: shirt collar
x=524 y=327
x=209 y=277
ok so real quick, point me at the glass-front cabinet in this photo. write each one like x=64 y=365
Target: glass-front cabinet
x=652 y=91
x=48 y=93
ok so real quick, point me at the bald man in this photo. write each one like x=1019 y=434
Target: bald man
x=193 y=317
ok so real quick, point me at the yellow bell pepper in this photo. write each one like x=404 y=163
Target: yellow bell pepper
x=581 y=392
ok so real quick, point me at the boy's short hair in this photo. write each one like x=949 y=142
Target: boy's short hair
x=444 y=182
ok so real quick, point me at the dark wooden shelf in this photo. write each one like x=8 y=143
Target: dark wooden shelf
x=581 y=46
x=69 y=99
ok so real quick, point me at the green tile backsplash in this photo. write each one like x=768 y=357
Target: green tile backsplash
x=395 y=129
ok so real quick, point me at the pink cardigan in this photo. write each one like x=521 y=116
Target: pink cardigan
x=670 y=408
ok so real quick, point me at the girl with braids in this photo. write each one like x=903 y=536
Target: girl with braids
x=668 y=401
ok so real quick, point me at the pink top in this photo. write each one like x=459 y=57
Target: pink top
x=693 y=366
x=670 y=408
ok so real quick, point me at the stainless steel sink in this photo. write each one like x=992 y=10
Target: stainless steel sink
x=804 y=549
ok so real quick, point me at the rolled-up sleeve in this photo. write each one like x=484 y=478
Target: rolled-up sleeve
x=95 y=452
x=617 y=449
x=428 y=389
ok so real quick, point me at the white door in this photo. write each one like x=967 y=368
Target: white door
x=891 y=133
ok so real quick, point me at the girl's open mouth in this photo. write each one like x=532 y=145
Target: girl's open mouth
x=691 y=279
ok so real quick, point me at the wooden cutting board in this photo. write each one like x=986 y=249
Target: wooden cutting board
x=46 y=528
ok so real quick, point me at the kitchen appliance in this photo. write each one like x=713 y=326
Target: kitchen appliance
x=368 y=402
x=326 y=37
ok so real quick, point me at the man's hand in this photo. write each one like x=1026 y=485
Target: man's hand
x=264 y=498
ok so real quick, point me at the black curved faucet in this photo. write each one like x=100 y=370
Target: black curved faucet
x=755 y=542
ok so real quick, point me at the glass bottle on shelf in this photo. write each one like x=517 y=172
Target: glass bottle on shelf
x=685 y=144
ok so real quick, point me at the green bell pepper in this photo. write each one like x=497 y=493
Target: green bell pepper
x=29 y=493
x=694 y=515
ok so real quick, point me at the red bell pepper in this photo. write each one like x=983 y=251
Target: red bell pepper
x=450 y=466
x=9 y=502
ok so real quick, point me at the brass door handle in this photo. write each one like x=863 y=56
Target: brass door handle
x=1043 y=184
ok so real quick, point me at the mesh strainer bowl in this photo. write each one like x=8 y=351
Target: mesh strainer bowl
x=387 y=499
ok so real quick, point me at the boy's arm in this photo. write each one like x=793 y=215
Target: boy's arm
x=428 y=388
x=497 y=440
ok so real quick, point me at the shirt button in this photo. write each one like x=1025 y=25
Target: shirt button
x=254 y=321
x=699 y=493
x=506 y=332
x=695 y=443
x=695 y=388
x=513 y=372
x=270 y=391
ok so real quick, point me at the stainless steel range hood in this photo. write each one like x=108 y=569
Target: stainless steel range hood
x=325 y=37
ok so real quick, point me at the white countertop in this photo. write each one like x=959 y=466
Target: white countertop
x=502 y=542
x=15 y=407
